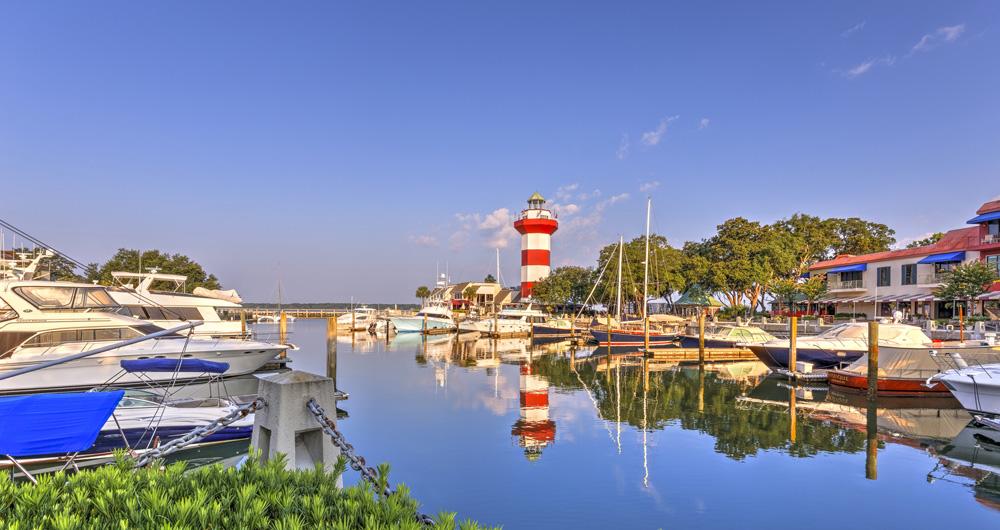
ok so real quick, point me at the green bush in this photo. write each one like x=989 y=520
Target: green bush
x=255 y=495
x=850 y=316
x=731 y=312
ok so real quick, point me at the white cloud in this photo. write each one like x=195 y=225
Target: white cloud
x=854 y=29
x=565 y=210
x=622 y=152
x=703 y=124
x=653 y=137
x=614 y=199
x=563 y=193
x=584 y=196
x=866 y=66
x=492 y=230
x=649 y=186
x=941 y=35
x=424 y=240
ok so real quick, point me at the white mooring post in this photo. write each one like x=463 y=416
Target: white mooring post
x=287 y=426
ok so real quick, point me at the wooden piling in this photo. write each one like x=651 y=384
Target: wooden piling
x=793 y=348
x=425 y=324
x=243 y=323
x=331 y=349
x=961 y=324
x=871 y=442
x=792 y=415
x=609 y=336
x=353 y=322
x=283 y=333
x=701 y=338
x=873 y=359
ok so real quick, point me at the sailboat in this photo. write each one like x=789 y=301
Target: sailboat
x=273 y=319
x=628 y=336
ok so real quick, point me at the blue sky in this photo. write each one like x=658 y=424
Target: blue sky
x=346 y=148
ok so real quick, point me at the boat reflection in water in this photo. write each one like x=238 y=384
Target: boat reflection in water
x=972 y=458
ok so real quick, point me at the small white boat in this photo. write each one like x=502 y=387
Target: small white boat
x=357 y=320
x=509 y=321
x=432 y=318
x=977 y=388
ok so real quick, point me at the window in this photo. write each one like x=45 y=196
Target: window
x=909 y=274
x=990 y=260
x=48 y=339
x=6 y=312
x=67 y=298
x=941 y=268
x=884 y=276
x=192 y=313
x=993 y=227
x=850 y=276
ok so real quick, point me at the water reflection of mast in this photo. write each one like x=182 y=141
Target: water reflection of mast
x=645 y=392
x=618 y=395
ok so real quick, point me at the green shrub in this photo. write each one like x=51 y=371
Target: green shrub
x=731 y=312
x=255 y=495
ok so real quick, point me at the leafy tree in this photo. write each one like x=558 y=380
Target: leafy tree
x=489 y=279
x=666 y=270
x=814 y=288
x=857 y=236
x=469 y=293
x=785 y=291
x=131 y=260
x=422 y=293
x=929 y=240
x=564 y=285
x=814 y=239
x=967 y=281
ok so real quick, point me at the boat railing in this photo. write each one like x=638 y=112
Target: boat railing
x=103 y=349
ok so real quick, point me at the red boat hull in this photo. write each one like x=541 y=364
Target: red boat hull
x=888 y=386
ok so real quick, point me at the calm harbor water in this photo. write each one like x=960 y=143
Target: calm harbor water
x=542 y=438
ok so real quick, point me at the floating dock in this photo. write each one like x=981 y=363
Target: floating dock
x=712 y=355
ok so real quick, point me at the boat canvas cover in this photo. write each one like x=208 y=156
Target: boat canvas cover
x=228 y=296
x=46 y=424
x=916 y=363
x=174 y=365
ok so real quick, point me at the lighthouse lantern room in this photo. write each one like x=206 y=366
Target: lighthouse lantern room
x=536 y=224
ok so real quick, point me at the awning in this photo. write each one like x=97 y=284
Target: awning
x=995 y=295
x=947 y=257
x=174 y=365
x=850 y=268
x=992 y=216
x=54 y=424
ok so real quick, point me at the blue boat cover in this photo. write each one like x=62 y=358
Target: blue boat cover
x=850 y=268
x=947 y=257
x=992 y=216
x=174 y=365
x=47 y=424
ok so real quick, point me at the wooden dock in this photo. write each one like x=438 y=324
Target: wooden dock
x=712 y=355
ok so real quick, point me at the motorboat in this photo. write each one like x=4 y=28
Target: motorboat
x=430 y=319
x=904 y=371
x=509 y=321
x=172 y=305
x=838 y=346
x=631 y=337
x=556 y=328
x=358 y=319
x=42 y=321
x=977 y=387
x=727 y=336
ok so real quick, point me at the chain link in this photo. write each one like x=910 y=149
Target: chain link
x=356 y=462
x=197 y=434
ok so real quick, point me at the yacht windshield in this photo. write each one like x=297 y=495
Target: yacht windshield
x=68 y=298
x=6 y=312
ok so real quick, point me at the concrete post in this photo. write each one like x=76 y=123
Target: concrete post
x=287 y=426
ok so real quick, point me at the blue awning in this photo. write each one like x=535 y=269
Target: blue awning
x=850 y=268
x=174 y=365
x=804 y=275
x=992 y=216
x=54 y=424
x=947 y=257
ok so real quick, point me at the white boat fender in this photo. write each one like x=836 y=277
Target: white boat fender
x=291 y=346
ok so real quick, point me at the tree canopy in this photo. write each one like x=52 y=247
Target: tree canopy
x=929 y=240
x=422 y=292
x=131 y=260
x=967 y=281
x=564 y=285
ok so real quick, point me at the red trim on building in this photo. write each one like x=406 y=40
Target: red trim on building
x=536 y=226
x=535 y=257
x=953 y=241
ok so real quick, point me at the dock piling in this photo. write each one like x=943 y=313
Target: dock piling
x=331 y=349
x=793 y=337
x=873 y=359
x=283 y=332
x=701 y=338
x=243 y=323
x=871 y=441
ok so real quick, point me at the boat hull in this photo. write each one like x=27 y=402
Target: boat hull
x=979 y=396
x=541 y=330
x=777 y=356
x=631 y=338
x=99 y=369
x=890 y=386
x=691 y=341
x=416 y=324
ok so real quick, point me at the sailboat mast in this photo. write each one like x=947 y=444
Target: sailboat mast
x=618 y=302
x=645 y=284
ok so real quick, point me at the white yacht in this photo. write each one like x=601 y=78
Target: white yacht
x=357 y=320
x=976 y=387
x=432 y=318
x=838 y=346
x=169 y=308
x=509 y=321
x=42 y=321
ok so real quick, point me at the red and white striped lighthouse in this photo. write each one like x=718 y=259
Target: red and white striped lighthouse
x=536 y=224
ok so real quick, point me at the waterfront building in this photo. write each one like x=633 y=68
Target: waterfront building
x=484 y=295
x=906 y=279
x=536 y=224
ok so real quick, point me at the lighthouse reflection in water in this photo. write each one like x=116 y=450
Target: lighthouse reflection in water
x=546 y=436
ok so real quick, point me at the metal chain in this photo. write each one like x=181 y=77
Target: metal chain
x=356 y=462
x=197 y=434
